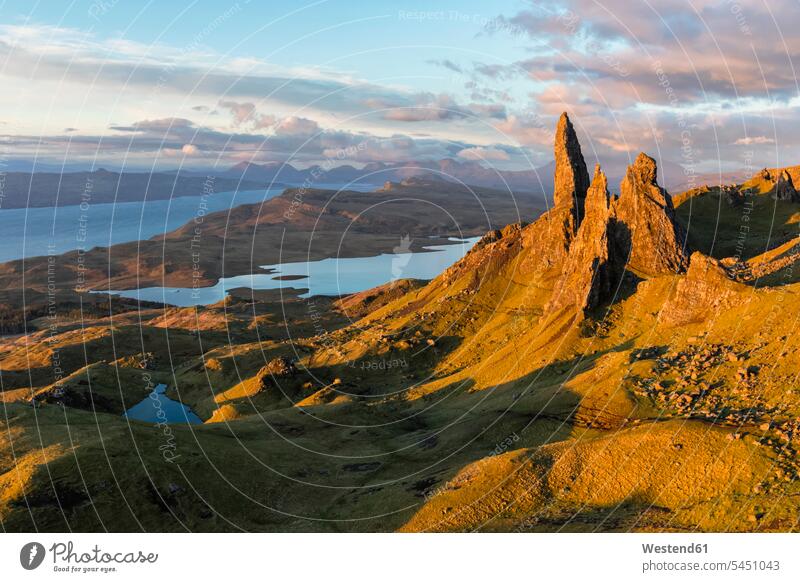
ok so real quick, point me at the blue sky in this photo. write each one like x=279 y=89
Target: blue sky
x=271 y=28
x=167 y=84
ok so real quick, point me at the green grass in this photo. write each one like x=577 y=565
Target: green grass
x=721 y=230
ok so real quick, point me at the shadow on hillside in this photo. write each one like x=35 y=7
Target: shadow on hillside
x=456 y=426
x=390 y=368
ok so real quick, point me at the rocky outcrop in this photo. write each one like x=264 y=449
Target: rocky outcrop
x=702 y=294
x=495 y=235
x=732 y=195
x=593 y=267
x=279 y=368
x=646 y=224
x=487 y=258
x=571 y=178
x=784 y=188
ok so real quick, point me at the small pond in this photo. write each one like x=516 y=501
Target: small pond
x=157 y=407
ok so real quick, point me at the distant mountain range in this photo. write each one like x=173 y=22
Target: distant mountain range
x=25 y=189
x=537 y=181
x=40 y=189
x=471 y=173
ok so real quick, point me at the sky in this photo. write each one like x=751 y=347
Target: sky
x=710 y=85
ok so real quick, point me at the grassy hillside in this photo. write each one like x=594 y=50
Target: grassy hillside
x=461 y=404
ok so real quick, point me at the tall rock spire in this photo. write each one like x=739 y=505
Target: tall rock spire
x=646 y=222
x=592 y=269
x=555 y=230
x=596 y=206
x=571 y=178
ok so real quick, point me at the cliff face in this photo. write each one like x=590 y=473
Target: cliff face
x=552 y=234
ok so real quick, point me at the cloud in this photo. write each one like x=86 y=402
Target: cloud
x=186 y=151
x=298 y=126
x=491 y=111
x=680 y=80
x=150 y=74
x=294 y=139
x=414 y=114
x=616 y=145
x=245 y=114
x=761 y=139
x=166 y=124
x=479 y=153
x=633 y=76
x=423 y=107
x=429 y=107
x=704 y=47
x=526 y=130
x=447 y=64
x=493 y=71
x=241 y=112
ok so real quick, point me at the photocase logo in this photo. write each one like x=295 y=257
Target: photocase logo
x=31 y=555
x=402 y=256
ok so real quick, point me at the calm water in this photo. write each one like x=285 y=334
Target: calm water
x=32 y=232
x=156 y=408
x=325 y=277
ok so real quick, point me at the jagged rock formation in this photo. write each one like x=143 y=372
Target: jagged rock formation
x=549 y=237
x=784 y=188
x=593 y=268
x=590 y=238
x=646 y=222
x=571 y=178
x=575 y=255
x=700 y=296
x=637 y=231
x=552 y=234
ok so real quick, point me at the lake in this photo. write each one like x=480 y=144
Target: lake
x=157 y=407
x=33 y=232
x=333 y=276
